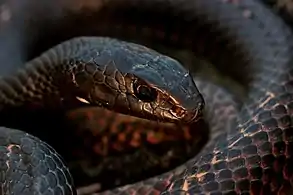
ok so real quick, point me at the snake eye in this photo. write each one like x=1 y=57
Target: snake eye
x=144 y=92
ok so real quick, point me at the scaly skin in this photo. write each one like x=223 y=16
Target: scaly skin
x=84 y=71
x=224 y=117
x=255 y=156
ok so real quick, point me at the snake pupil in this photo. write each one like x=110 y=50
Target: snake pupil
x=145 y=93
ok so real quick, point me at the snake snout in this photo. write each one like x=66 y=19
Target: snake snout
x=188 y=115
x=194 y=115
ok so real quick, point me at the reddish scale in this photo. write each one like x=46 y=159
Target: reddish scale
x=124 y=131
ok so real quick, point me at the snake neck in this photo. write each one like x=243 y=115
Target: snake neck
x=45 y=82
x=30 y=86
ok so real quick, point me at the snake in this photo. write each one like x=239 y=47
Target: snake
x=243 y=38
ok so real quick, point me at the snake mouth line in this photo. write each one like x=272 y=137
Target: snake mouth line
x=192 y=116
x=187 y=116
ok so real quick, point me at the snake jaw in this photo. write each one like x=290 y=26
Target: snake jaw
x=193 y=115
x=187 y=116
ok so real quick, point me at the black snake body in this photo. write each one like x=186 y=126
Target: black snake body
x=252 y=158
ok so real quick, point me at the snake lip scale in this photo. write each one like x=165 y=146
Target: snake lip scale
x=244 y=39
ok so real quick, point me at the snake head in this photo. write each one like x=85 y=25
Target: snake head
x=153 y=100
x=134 y=80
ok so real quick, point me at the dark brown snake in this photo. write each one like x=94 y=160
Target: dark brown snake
x=240 y=37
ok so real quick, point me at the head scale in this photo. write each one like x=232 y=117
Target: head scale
x=135 y=80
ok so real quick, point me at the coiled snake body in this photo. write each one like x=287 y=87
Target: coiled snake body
x=254 y=157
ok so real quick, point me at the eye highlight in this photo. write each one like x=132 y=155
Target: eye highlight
x=144 y=92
